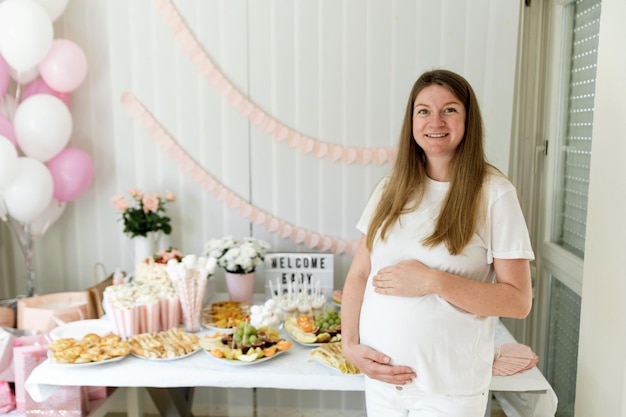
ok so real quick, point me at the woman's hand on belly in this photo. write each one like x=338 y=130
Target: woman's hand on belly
x=375 y=365
x=409 y=278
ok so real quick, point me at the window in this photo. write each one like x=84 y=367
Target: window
x=571 y=204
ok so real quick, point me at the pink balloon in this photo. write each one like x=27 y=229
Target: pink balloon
x=39 y=86
x=72 y=173
x=6 y=129
x=65 y=66
x=5 y=77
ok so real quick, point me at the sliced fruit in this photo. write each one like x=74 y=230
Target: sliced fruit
x=306 y=338
x=323 y=338
x=283 y=345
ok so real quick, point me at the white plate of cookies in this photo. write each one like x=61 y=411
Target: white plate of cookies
x=78 y=329
x=89 y=350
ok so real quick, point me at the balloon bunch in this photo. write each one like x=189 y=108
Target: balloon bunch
x=39 y=173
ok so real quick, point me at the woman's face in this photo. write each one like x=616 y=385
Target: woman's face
x=438 y=122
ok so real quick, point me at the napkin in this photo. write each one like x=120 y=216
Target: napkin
x=513 y=358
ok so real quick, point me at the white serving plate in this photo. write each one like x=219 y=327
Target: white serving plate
x=78 y=329
x=85 y=364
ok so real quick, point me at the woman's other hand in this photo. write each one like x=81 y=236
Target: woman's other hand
x=376 y=365
x=406 y=278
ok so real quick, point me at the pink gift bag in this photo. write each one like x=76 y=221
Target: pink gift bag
x=67 y=401
x=25 y=359
x=7 y=398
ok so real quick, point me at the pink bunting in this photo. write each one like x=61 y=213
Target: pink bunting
x=293 y=139
x=206 y=69
x=224 y=88
x=366 y=156
x=306 y=145
x=245 y=107
x=257 y=116
x=269 y=125
x=281 y=133
x=227 y=196
x=272 y=224
x=320 y=149
x=286 y=231
x=216 y=78
x=298 y=235
x=232 y=201
x=335 y=152
x=326 y=243
x=209 y=184
x=348 y=155
x=245 y=209
x=221 y=192
x=193 y=48
x=234 y=98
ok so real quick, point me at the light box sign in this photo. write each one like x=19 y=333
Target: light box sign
x=283 y=268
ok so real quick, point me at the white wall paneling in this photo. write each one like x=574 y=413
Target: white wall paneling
x=337 y=71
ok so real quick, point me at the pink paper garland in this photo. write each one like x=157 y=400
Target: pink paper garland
x=257 y=116
x=190 y=167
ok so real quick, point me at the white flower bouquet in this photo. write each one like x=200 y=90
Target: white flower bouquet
x=239 y=256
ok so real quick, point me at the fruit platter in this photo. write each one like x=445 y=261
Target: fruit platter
x=245 y=345
x=314 y=330
x=224 y=316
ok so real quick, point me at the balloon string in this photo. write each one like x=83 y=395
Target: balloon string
x=18 y=89
x=25 y=238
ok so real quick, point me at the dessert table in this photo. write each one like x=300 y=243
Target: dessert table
x=294 y=369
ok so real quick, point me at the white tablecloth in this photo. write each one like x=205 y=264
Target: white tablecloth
x=294 y=369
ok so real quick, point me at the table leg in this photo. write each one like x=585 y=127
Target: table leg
x=172 y=402
x=134 y=406
x=489 y=403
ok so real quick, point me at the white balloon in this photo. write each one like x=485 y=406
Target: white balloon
x=51 y=214
x=43 y=126
x=54 y=8
x=26 y=33
x=8 y=161
x=24 y=76
x=30 y=192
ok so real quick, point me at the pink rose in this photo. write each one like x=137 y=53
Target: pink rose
x=120 y=203
x=170 y=196
x=150 y=203
x=135 y=193
x=166 y=255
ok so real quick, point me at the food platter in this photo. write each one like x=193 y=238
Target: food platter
x=246 y=345
x=78 y=329
x=225 y=330
x=224 y=316
x=236 y=362
x=167 y=345
x=331 y=356
x=313 y=336
x=85 y=364
x=293 y=337
x=165 y=359
x=317 y=360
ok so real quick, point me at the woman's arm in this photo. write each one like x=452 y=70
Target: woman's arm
x=369 y=361
x=510 y=296
x=352 y=296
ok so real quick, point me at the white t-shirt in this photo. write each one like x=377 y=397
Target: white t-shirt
x=450 y=350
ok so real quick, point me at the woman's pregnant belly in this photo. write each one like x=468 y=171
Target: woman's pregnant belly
x=450 y=350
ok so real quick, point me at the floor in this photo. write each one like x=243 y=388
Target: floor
x=494 y=413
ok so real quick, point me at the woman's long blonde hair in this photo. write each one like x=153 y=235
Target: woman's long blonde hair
x=462 y=208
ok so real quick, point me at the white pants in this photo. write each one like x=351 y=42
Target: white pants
x=386 y=400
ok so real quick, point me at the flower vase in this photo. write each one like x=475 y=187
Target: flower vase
x=145 y=246
x=240 y=286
